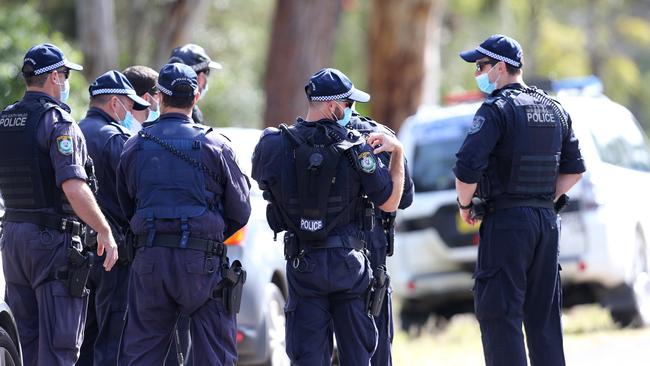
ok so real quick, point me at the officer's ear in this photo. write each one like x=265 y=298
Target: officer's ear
x=197 y=96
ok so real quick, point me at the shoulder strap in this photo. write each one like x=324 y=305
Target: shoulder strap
x=181 y=155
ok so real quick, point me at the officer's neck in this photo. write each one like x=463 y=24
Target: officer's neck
x=314 y=115
x=507 y=79
x=46 y=90
x=184 y=111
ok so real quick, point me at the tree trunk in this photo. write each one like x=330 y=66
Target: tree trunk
x=301 y=43
x=398 y=36
x=174 y=28
x=96 y=29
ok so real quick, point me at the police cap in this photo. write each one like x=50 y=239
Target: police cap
x=114 y=82
x=498 y=47
x=44 y=58
x=331 y=84
x=173 y=75
x=194 y=56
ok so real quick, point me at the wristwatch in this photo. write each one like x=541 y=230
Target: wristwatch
x=469 y=205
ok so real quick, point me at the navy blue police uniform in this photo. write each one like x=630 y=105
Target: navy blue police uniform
x=41 y=147
x=183 y=192
x=195 y=57
x=105 y=139
x=519 y=142
x=315 y=174
x=380 y=243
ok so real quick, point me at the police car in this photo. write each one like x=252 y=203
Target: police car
x=605 y=230
x=261 y=319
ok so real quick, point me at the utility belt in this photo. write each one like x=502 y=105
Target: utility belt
x=211 y=247
x=52 y=221
x=293 y=248
x=480 y=207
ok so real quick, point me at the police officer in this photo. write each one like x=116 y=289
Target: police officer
x=519 y=155
x=315 y=174
x=45 y=170
x=183 y=192
x=143 y=79
x=380 y=242
x=195 y=56
x=106 y=128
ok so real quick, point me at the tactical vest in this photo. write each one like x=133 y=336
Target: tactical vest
x=27 y=179
x=318 y=189
x=531 y=169
x=170 y=187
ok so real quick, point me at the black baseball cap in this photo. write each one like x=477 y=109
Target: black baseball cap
x=44 y=58
x=175 y=74
x=498 y=47
x=331 y=84
x=194 y=56
x=114 y=82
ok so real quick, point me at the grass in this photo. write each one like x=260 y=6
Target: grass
x=587 y=330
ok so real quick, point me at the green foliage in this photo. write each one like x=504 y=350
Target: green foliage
x=21 y=27
x=561 y=52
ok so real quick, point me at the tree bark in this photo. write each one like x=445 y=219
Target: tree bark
x=398 y=37
x=301 y=43
x=96 y=29
x=174 y=28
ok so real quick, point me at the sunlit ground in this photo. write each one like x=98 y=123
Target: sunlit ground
x=590 y=339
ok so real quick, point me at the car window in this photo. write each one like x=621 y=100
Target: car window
x=436 y=144
x=619 y=140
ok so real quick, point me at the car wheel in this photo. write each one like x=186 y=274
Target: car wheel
x=639 y=315
x=9 y=355
x=275 y=328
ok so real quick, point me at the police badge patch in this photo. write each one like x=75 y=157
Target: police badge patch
x=368 y=162
x=476 y=125
x=64 y=144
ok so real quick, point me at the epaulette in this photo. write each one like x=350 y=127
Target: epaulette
x=270 y=131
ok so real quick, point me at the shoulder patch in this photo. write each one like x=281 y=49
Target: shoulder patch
x=367 y=162
x=64 y=144
x=477 y=124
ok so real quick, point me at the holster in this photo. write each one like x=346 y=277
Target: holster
x=377 y=291
x=561 y=203
x=231 y=286
x=479 y=208
x=388 y=223
x=367 y=215
x=129 y=246
x=291 y=245
x=79 y=266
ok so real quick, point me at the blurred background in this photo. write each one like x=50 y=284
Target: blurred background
x=405 y=53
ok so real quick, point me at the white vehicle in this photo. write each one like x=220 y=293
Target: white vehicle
x=605 y=229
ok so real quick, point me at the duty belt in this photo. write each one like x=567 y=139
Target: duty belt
x=174 y=241
x=336 y=242
x=63 y=224
x=503 y=203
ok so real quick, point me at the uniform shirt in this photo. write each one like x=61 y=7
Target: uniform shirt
x=55 y=128
x=492 y=135
x=105 y=139
x=232 y=192
x=366 y=126
x=267 y=167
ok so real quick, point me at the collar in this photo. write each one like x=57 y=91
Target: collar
x=98 y=112
x=517 y=86
x=36 y=95
x=175 y=117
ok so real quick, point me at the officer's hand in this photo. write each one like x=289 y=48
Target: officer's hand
x=464 y=214
x=382 y=142
x=105 y=241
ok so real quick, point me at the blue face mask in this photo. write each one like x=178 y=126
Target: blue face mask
x=128 y=121
x=153 y=115
x=347 y=114
x=65 y=91
x=484 y=83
